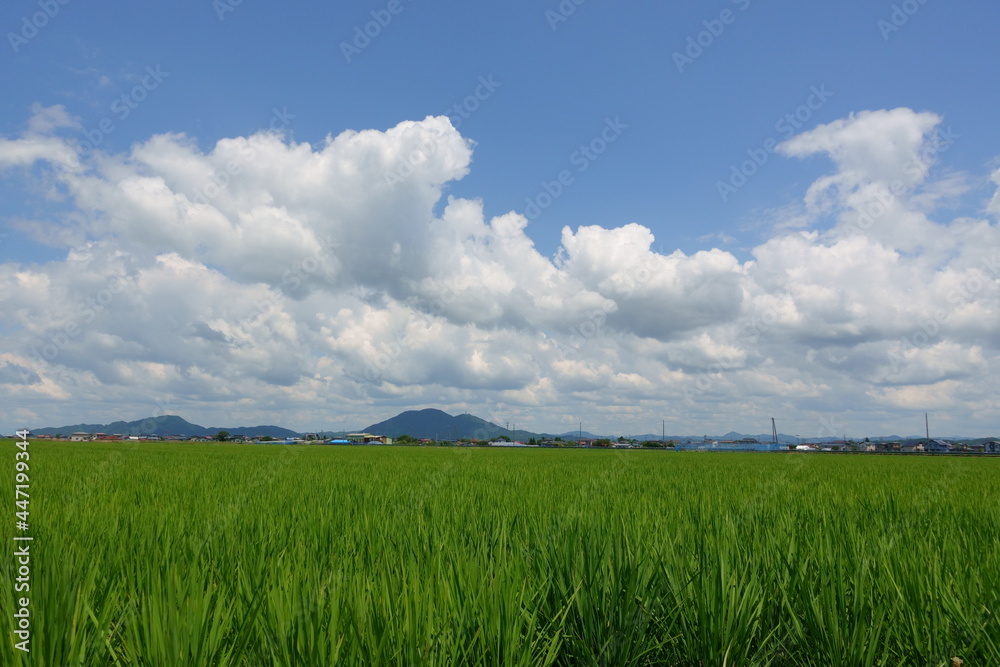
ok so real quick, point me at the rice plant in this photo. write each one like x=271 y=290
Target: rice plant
x=181 y=554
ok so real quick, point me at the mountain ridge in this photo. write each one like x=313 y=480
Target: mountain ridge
x=423 y=423
x=165 y=425
x=434 y=423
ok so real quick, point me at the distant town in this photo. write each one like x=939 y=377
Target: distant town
x=912 y=446
x=433 y=427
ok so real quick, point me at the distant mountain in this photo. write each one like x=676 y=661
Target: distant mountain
x=576 y=435
x=264 y=429
x=642 y=437
x=165 y=425
x=431 y=423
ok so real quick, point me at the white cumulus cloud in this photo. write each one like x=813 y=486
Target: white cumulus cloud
x=261 y=279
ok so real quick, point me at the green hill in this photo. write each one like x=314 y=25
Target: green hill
x=163 y=426
x=437 y=424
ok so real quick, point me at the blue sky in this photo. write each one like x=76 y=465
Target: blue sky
x=681 y=116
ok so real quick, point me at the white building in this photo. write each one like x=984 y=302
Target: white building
x=369 y=439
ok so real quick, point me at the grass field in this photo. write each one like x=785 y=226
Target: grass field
x=182 y=554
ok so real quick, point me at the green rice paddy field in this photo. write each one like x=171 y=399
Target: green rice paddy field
x=183 y=554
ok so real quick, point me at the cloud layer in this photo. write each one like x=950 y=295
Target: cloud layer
x=316 y=286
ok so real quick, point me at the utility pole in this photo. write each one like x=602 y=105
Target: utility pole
x=927 y=428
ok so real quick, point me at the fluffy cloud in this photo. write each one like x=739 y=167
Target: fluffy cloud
x=994 y=205
x=880 y=188
x=266 y=280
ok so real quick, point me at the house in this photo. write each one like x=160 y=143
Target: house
x=991 y=447
x=369 y=439
x=79 y=436
x=938 y=446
